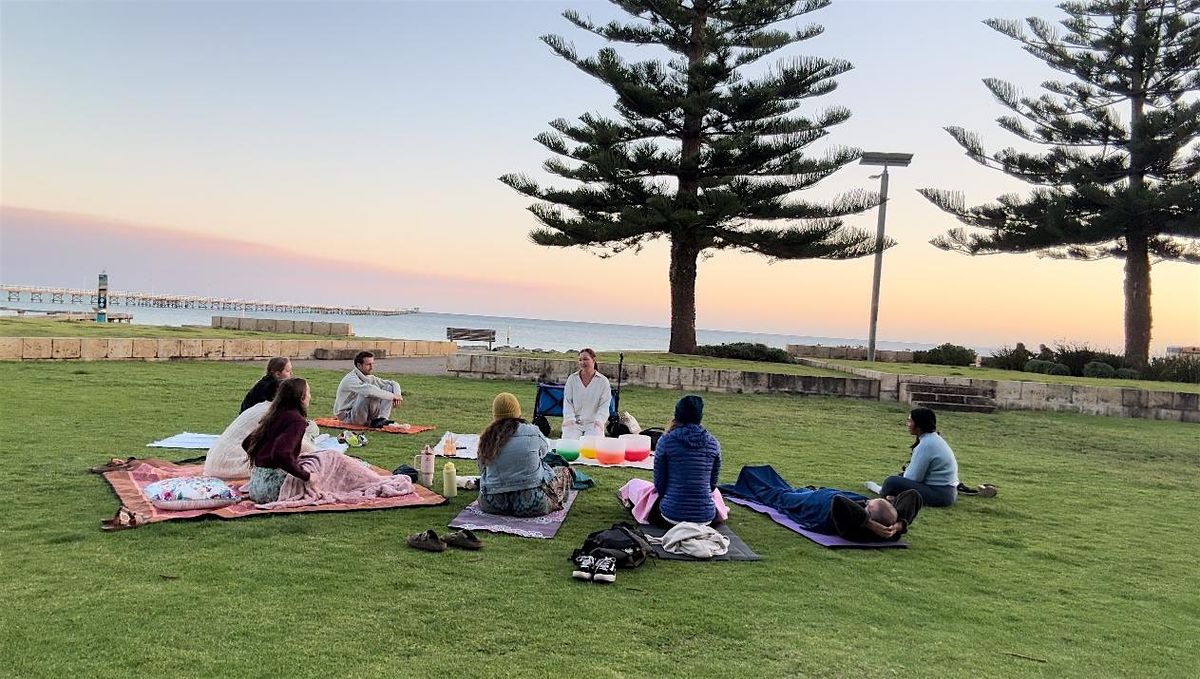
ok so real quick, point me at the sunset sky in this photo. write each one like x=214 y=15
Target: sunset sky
x=348 y=153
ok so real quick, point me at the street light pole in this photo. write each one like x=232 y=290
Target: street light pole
x=886 y=160
x=883 y=197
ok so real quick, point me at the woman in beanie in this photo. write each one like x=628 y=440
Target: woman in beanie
x=514 y=480
x=687 y=461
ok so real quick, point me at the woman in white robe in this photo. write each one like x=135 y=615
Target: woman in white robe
x=586 y=399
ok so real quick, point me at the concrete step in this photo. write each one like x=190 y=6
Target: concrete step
x=964 y=399
x=914 y=387
x=955 y=407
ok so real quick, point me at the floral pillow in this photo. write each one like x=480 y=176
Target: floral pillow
x=191 y=492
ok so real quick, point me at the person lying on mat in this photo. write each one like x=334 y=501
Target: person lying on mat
x=275 y=444
x=828 y=510
x=363 y=398
x=687 y=462
x=586 y=399
x=932 y=470
x=278 y=370
x=514 y=480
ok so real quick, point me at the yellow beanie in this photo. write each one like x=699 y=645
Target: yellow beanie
x=505 y=405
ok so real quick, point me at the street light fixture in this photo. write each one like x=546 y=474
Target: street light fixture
x=886 y=160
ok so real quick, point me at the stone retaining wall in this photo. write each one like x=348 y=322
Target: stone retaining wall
x=490 y=366
x=103 y=348
x=281 y=325
x=1177 y=406
x=852 y=353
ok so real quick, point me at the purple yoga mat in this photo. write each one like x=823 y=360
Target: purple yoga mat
x=830 y=541
x=533 y=527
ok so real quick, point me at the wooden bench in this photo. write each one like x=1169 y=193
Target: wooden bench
x=472 y=335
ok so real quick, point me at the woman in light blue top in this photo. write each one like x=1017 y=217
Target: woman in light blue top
x=932 y=471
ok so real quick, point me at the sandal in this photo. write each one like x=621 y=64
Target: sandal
x=987 y=490
x=114 y=464
x=464 y=539
x=427 y=541
x=123 y=519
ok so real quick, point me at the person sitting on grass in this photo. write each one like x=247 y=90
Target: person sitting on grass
x=586 y=398
x=514 y=480
x=932 y=470
x=828 y=510
x=274 y=446
x=363 y=398
x=687 y=462
x=278 y=370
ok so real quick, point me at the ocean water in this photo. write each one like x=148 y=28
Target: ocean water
x=530 y=333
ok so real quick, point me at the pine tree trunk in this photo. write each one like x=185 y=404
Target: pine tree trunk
x=683 y=296
x=1137 y=301
x=684 y=248
x=1137 y=260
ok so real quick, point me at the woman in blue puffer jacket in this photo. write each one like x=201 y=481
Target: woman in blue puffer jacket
x=687 y=461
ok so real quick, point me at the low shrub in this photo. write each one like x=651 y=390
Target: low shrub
x=1127 y=374
x=745 y=351
x=1037 y=365
x=1098 y=369
x=945 y=354
x=1008 y=359
x=1174 y=369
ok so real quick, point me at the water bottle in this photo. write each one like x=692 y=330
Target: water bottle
x=449 y=480
x=425 y=470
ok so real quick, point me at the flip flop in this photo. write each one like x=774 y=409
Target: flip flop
x=464 y=539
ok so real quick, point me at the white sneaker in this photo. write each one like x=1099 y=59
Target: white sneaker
x=873 y=487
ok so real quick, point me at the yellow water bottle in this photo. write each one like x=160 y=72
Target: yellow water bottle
x=449 y=480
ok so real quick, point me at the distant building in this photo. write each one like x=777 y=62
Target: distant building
x=1183 y=351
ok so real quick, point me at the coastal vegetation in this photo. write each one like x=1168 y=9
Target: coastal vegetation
x=1008 y=586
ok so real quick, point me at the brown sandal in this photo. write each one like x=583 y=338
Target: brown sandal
x=427 y=541
x=123 y=519
x=114 y=464
x=464 y=539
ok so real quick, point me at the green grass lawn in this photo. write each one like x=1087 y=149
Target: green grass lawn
x=1014 y=375
x=1084 y=565
x=45 y=327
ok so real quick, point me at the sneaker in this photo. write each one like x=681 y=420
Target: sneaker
x=873 y=487
x=381 y=422
x=584 y=563
x=605 y=570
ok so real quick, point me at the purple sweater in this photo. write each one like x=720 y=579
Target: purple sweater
x=687 y=461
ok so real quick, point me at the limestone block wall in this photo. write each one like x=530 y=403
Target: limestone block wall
x=281 y=325
x=1177 y=406
x=487 y=366
x=148 y=349
x=852 y=353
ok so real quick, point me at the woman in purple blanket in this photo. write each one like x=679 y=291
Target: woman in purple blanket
x=687 y=461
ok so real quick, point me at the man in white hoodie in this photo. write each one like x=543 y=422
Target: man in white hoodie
x=363 y=398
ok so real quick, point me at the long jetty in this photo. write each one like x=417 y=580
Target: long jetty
x=48 y=295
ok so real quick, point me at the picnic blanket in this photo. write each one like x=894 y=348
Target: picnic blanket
x=738 y=550
x=189 y=441
x=186 y=440
x=466 y=446
x=397 y=428
x=527 y=527
x=128 y=482
x=830 y=541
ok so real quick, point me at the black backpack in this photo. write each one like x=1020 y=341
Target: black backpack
x=624 y=542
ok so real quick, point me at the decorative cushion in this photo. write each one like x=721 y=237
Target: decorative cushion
x=190 y=492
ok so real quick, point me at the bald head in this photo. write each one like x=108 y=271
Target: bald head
x=881 y=511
